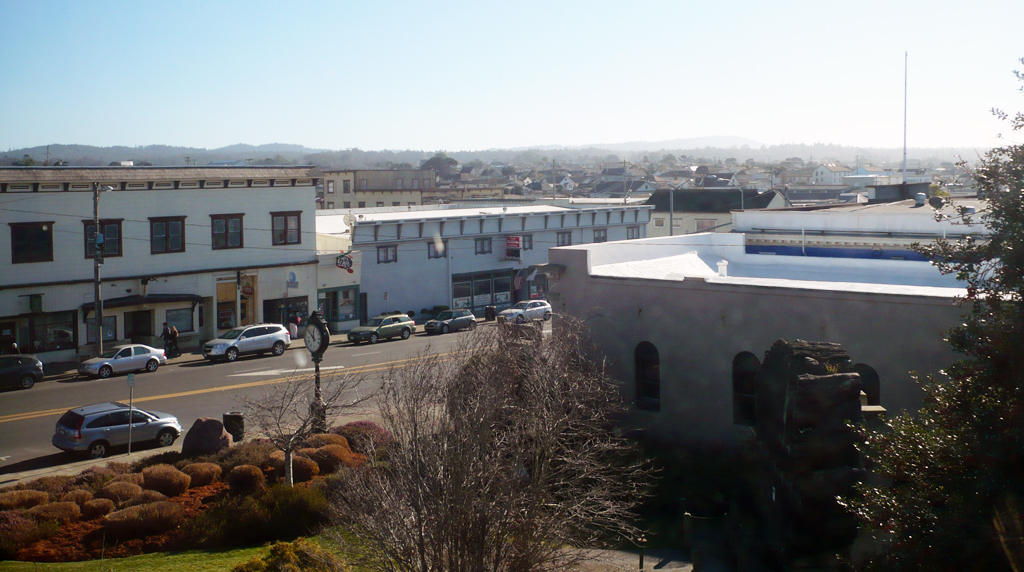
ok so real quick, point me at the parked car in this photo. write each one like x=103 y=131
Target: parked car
x=451 y=321
x=382 y=328
x=20 y=370
x=96 y=428
x=258 y=339
x=526 y=311
x=118 y=359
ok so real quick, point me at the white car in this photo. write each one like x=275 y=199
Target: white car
x=257 y=339
x=118 y=359
x=526 y=311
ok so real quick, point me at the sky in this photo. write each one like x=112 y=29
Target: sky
x=463 y=76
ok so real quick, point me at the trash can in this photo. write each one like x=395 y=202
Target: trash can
x=234 y=423
x=490 y=313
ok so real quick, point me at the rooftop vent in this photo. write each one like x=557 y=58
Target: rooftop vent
x=723 y=266
x=919 y=199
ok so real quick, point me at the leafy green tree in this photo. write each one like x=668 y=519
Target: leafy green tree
x=508 y=171
x=26 y=161
x=441 y=163
x=960 y=461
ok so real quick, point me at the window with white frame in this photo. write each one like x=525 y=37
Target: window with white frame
x=659 y=223
x=386 y=254
x=704 y=224
x=330 y=187
x=527 y=242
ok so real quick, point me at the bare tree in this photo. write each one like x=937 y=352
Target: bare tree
x=286 y=413
x=504 y=455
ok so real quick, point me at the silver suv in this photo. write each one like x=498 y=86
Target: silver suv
x=258 y=339
x=97 y=428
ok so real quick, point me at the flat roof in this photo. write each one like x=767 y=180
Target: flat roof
x=403 y=213
x=191 y=172
x=697 y=256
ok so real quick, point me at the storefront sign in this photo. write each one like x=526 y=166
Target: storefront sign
x=345 y=262
x=293 y=280
x=461 y=302
x=513 y=242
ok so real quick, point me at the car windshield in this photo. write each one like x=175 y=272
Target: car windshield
x=110 y=353
x=375 y=322
x=520 y=306
x=445 y=316
x=232 y=334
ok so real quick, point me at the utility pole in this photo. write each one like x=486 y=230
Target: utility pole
x=97 y=258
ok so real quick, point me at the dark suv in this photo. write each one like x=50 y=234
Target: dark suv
x=20 y=370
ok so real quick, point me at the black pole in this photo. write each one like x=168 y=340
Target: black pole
x=320 y=414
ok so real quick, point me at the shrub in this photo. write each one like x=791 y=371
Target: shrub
x=306 y=452
x=439 y=309
x=330 y=457
x=97 y=508
x=94 y=477
x=165 y=458
x=249 y=453
x=56 y=487
x=146 y=497
x=202 y=473
x=304 y=469
x=77 y=496
x=18 y=529
x=133 y=478
x=321 y=439
x=297 y=510
x=119 y=492
x=246 y=479
x=166 y=479
x=144 y=520
x=281 y=513
x=365 y=437
x=11 y=500
x=59 y=511
x=298 y=555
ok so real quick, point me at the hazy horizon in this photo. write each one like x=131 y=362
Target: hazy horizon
x=475 y=76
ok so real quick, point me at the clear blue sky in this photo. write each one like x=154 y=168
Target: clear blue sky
x=473 y=75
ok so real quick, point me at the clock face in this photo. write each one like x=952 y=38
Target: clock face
x=313 y=338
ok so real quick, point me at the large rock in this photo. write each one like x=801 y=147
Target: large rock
x=205 y=437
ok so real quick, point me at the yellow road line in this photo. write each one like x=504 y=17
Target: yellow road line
x=359 y=369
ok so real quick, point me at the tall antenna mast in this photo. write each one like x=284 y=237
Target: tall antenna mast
x=904 y=181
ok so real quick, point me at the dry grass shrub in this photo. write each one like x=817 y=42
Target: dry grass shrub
x=330 y=457
x=306 y=452
x=146 y=497
x=97 y=508
x=77 y=496
x=365 y=437
x=304 y=469
x=144 y=520
x=56 y=486
x=165 y=458
x=166 y=479
x=202 y=473
x=321 y=439
x=12 y=500
x=133 y=478
x=94 y=477
x=298 y=555
x=246 y=480
x=19 y=529
x=120 y=492
x=281 y=513
x=61 y=512
x=255 y=453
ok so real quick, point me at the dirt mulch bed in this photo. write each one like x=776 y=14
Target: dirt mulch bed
x=84 y=540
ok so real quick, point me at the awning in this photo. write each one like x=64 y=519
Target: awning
x=138 y=300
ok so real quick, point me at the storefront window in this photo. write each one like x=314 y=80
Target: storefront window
x=286 y=311
x=180 y=319
x=109 y=329
x=482 y=292
x=462 y=294
x=50 y=333
x=502 y=290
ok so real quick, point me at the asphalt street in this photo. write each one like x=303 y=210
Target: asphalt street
x=189 y=388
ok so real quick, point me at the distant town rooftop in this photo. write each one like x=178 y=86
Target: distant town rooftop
x=189 y=172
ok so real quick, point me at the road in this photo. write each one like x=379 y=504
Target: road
x=188 y=388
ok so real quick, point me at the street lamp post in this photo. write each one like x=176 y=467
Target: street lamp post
x=97 y=257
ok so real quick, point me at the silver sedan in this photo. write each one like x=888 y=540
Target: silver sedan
x=119 y=359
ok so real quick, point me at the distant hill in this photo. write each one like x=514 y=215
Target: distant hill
x=699 y=150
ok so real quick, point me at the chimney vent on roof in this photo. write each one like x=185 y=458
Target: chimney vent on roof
x=723 y=266
x=919 y=199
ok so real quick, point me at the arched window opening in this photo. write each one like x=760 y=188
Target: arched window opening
x=648 y=376
x=744 y=385
x=869 y=383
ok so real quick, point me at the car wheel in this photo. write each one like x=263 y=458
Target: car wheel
x=232 y=354
x=98 y=450
x=106 y=371
x=444 y=329
x=278 y=348
x=520 y=318
x=547 y=316
x=373 y=338
x=152 y=365
x=472 y=325
x=165 y=438
x=406 y=333
x=27 y=382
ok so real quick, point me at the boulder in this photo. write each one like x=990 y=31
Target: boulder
x=206 y=436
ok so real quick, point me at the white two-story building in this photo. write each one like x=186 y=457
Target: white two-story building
x=416 y=258
x=201 y=248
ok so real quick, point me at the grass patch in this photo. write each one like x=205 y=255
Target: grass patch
x=190 y=561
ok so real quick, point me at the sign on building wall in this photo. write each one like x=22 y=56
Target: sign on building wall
x=513 y=244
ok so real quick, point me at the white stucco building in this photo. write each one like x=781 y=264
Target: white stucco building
x=202 y=248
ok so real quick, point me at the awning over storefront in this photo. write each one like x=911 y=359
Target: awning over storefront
x=138 y=300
